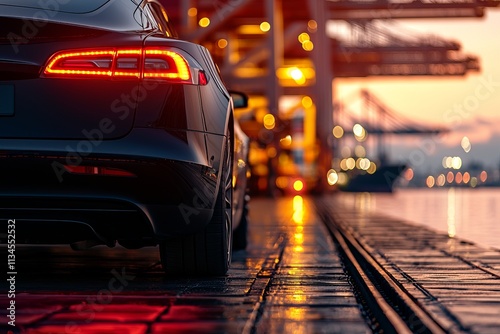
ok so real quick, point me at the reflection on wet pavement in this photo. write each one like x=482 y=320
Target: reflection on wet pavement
x=288 y=280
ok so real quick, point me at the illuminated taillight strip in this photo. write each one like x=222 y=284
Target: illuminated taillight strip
x=148 y=63
x=58 y=58
x=181 y=67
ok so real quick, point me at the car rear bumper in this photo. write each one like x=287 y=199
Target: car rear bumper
x=172 y=189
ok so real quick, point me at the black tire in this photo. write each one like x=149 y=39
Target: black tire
x=240 y=233
x=207 y=253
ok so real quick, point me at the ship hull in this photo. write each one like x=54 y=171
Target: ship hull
x=382 y=180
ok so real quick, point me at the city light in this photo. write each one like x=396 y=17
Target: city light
x=452 y=162
x=286 y=142
x=373 y=168
x=308 y=46
x=204 y=22
x=441 y=180
x=312 y=25
x=297 y=75
x=307 y=102
x=430 y=182
x=192 y=12
x=265 y=26
x=304 y=37
x=222 y=43
x=466 y=145
x=338 y=132
x=298 y=185
x=359 y=132
x=269 y=121
x=360 y=151
x=332 y=177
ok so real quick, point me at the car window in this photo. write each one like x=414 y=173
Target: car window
x=162 y=19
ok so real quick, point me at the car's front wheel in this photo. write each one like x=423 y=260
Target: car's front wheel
x=208 y=252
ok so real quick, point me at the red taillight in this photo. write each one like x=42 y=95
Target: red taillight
x=134 y=63
x=94 y=170
x=165 y=64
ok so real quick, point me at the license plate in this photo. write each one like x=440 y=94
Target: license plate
x=6 y=100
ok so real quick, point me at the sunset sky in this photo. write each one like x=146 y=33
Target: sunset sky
x=469 y=106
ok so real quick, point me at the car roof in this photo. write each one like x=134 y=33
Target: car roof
x=74 y=7
x=116 y=15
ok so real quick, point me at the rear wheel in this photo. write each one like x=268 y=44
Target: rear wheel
x=209 y=251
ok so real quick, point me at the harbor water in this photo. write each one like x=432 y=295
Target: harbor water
x=465 y=213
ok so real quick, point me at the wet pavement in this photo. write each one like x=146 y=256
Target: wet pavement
x=457 y=281
x=289 y=280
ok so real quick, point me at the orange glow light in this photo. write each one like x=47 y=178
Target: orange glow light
x=450 y=177
x=298 y=185
x=430 y=182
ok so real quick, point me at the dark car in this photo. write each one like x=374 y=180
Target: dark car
x=114 y=130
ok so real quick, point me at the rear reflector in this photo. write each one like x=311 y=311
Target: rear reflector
x=134 y=63
x=93 y=170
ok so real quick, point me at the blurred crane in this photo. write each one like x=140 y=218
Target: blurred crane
x=273 y=48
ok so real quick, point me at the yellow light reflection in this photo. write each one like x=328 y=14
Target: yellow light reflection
x=295 y=313
x=298 y=210
x=452 y=224
x=299 y=238
x=299 y=296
